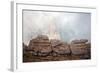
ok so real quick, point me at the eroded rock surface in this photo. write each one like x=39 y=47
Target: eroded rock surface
x=42 y=48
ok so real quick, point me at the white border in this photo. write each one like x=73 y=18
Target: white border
x=17 y=63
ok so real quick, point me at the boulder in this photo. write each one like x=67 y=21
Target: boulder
x=62 y=49
x=44 y=51
x=40 y=45
x=85 y=56
x=79 y=47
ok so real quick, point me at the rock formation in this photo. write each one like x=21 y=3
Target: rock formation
x=43 y=49
x=79 y=47
x=59 y=48
x=40 y=45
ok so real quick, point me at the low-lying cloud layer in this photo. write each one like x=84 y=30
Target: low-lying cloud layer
x=62 y=25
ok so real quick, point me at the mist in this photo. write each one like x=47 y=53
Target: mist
x=67 y=26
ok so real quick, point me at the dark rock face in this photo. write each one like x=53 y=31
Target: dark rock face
x=43 y=49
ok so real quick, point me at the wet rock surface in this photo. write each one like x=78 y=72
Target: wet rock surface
x=42 y=49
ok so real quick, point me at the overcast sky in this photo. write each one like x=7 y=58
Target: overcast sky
x=66 y=26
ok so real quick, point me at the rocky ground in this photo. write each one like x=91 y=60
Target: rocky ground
x=42 y=49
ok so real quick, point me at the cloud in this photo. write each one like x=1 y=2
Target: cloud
x=69 y=25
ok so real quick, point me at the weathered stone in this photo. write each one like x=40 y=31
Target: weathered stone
x=55 y=42
x=41 y=45
x=62 y=49
x=43 y=49
x=79 y=47
x=79 y=41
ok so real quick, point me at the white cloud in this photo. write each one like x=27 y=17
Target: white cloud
x=68 y=25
